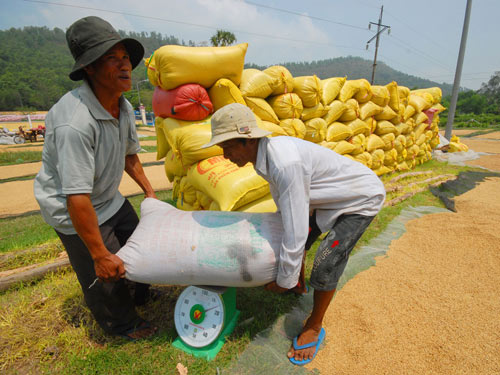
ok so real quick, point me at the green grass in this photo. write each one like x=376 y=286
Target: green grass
x=152 y=138
x=22 y=232
x=10 y=158
x=471 y=120
x=22 y=178
x=46 y=327
x=149 y=148
x=480 y=132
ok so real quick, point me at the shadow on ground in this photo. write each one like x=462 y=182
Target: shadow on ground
x=463 y=183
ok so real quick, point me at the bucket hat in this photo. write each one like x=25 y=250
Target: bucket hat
x=90 y=38
x=234 y=121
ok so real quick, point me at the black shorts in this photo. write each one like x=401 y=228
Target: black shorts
x=333 y=252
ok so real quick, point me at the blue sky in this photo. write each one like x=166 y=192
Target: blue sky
x=424 y=40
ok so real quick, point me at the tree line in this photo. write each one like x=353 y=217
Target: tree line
x=35 y=62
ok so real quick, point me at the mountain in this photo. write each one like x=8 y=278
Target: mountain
x=35 y=62
x=356 y=68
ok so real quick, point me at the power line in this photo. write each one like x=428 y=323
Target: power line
x=418 y=32
x=304 y=15
x=395 y=40
x=191 y=24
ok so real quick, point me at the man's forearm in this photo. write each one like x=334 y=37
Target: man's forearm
x=85 y=222
x=134 y=169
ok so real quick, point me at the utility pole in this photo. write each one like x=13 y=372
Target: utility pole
x=377 y=36
x=458 y=73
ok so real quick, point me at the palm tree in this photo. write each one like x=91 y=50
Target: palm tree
x=222 y=38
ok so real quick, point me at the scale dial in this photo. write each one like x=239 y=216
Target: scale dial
x=199 y=316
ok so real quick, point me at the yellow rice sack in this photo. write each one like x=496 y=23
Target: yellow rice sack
x=174 y=167
x=224 y=92
x=403 y=128
x=402 y=156
x=338 y=132
x=382 y=170
x=365 y=158
x=369 y=109
x=435 y=92
x=187 y=137
x=394 y=101
x=390 y=158
x=276 y=130
x=171 y=66
x=176 y=187
x=387 y=113
x=335 y=110
x=344 y=147
x=294 y=127
x=359 y=127
x=438 y=108
x=359 y=89
x=420 y=118
x=404 y=93
x=388 y=140
x=378 y=156
x=421 y=139
x=374 y=142
x=420 y=103
x=400 y=143
x=231 y=187
x=359 y=142
x=256 y=83
x=396 y=120
x=372 y=124
x=315 y=130
x=286 y=105
x=330 y=145
x=384 y=127
x=458 y=147
x=309 y=89
x=420 y=129
x=187 y=195
x=263 y=205
x=283 y=80
x=352 y=111
x=380 y=95
x=313 y=112
x=262 y=109
x=331 y=89
x=202 y=201
x=409 y=112
x=434 y=142
x=162 y=146
x=403 y=166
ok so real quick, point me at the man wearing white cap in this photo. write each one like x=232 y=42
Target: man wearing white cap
x=316 y=191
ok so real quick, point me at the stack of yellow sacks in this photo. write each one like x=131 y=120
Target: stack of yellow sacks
x=456 y=145
x=387 y=128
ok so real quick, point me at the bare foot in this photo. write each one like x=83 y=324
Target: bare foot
x=307 y=336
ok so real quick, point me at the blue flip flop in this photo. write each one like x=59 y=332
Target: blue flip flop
x=317 y=344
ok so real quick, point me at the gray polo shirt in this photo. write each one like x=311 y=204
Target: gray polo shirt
x=84 y=152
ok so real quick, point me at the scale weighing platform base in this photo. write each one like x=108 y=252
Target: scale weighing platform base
x=210 y=351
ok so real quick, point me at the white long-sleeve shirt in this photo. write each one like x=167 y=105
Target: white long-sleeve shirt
x=304 y=176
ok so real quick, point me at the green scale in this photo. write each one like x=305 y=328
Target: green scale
x=203 y=318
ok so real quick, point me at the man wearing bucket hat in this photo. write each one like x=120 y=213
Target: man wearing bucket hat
x=90 y=140
x=316 y=191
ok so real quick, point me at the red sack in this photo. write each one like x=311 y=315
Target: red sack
x=189 y=102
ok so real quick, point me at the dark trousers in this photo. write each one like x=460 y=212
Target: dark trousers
x=111 y=303
x=334 y=250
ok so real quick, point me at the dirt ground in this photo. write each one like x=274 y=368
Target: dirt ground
x=431 y=305
x=17 y=196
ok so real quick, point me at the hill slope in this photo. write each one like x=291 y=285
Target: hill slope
x=35 y=62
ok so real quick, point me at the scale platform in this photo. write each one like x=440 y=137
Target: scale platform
x=203 y=318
